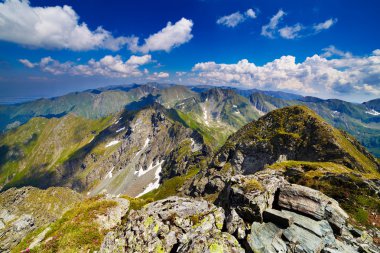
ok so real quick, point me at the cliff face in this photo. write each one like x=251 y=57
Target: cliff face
x=27 y=209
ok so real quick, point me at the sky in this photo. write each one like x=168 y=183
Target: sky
x=327 y=49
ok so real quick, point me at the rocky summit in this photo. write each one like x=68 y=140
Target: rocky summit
x=147 y=182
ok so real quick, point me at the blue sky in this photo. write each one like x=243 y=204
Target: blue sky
x=318 y=48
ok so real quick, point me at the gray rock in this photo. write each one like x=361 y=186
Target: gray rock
x=251 y=195
x=25 y=222
x=266 y=238
x=321 y=228
x=302 y=240
x=313 y=203
x=277 y=217
x=214 y=243
x=166 y=224
x=235 y=224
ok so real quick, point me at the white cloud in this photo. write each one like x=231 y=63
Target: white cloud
x=236 y=18
x=165 y=40
x=158 y=75
x=251 y=13
x=316 y=75
x=332 y=50
x=27 y=63
x=109 y=66
x=325 y=25
x=269 y=29
x=290 y=32
x=51 y=27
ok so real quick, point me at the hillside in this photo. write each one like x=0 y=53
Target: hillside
x=301 y=146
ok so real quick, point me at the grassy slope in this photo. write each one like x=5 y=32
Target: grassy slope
x=40 y=145
x=76 y=231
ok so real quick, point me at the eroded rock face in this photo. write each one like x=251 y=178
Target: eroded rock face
x=313 y=203
x=174 y=223
x=26 y=209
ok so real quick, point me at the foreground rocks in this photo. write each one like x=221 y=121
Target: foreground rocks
x=257 y=213
x=26 y=209
x=173 y=225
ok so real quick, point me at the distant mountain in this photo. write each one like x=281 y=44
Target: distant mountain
x=373 y=105
x=125 y=154
x=215 y=112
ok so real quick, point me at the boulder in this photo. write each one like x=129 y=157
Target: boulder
x=169 y=224
x=277 y=217
x=266 y=238
x=251 y=195
x=213 y=243
x=314 y=204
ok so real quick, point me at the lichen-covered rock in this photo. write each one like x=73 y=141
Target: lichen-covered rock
x=167 y=224
x=251 y=195
x=212 y=243
x=313 y=203
x=113 y=216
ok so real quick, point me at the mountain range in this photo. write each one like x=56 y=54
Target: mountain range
x=170 y=168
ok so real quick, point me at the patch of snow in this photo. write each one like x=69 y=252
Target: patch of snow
x=234 y=106
x=111 y=143
x=156 y=183
x=119 y=130
x=109 y=174
x=195 y=146
x=205 y=114
x=373 y=112
x=117 y=121
x=144 y=147
x=142 y=172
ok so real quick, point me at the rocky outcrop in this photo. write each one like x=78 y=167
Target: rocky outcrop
x=293 y=133
x=273 y=215
x=26 y=209
x=173 y=224
x=312 y=203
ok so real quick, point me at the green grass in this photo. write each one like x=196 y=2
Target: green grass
x=38 y=147
x=76 y=231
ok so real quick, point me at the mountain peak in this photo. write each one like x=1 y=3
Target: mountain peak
x=293 y=133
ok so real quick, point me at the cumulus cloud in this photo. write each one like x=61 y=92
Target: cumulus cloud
x=51 y=27
x=316 y=75
x=236 y=18
x=109 y=66
x=165 y=40
x=269 y=29
x=290 y=32
x=158 y=75
x=325 y=25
